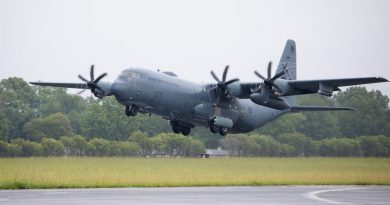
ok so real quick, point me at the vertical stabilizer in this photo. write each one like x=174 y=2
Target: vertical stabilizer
x=288 y=63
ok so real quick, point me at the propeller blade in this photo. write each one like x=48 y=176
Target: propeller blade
x=100 y=77
x=259 y=75
x=278 y=75
x=78 y=93
x=225 y=73
x=269 y=69
x=230 y=81
x=215 y=76
x=92 y=72
x=83 y=79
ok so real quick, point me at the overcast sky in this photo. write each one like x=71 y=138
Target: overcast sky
x=52 y=41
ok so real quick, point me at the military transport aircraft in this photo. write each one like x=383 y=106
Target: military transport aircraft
x=225 y=106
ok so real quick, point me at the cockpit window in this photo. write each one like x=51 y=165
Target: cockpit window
x=127 y=75
x=132 y=74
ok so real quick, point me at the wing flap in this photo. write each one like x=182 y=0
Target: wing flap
x=62 y=85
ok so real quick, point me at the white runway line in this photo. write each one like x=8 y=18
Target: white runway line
x=313 y=195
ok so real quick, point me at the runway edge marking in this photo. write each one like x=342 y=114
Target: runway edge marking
x=313 y=195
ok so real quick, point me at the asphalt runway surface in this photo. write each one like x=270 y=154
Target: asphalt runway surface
x=203 y=195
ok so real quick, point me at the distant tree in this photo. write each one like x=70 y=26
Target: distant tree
x=303 y=146
x=53 y=100
x=75 y=121
x=54 y=126
x=209 y=139
x=289 y=123
x=287 y=150
x=159 y=146
x=103 y=146
x=29 y=148
x=115 y=149
x=372 y=146
x=129 y=149
x=18 y=103
x=252 y=145
x=194 y=147
x=52 y=147
x=3 y=148
x=14 y=150
x=385 y=141
x=339 y=147
x=371 y=117
x=90 y=149
x=348 y=147
x=318 y=125
x=151 y=125
x=74 y=145
x=264 y=145
x=98 y=118
x=176 y=145
x=3 y=126
x=81 y=145
x=143 y=141
x=240 y=145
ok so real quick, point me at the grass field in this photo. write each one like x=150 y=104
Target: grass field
x=18 y=173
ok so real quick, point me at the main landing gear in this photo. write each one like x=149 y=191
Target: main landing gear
x=131 y=110
x=177 y=128
x=218 y=129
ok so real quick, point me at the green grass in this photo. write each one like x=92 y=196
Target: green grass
x=22 y=173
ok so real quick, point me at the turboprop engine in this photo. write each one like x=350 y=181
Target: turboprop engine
x=264 y=99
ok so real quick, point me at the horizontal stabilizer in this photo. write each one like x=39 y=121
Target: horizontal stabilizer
x=319 y=108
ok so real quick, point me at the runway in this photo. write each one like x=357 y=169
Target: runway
x=203 y=195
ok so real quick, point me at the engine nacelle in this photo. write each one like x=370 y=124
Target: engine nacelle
x=268 y=101
x=223 y=121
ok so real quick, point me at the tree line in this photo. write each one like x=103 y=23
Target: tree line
x=36 y=114
x=138 y=144
x=299 y=145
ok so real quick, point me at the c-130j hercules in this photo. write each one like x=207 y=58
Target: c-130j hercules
x=225 y=106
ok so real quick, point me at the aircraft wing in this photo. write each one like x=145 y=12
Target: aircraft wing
x=313 y=86
x=300 y=87
x=62 y=85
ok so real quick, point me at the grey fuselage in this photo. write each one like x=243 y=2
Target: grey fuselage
x=189 y=103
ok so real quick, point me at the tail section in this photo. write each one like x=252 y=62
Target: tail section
x=288 y=63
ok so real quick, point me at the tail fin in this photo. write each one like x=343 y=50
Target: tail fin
x=288 y=63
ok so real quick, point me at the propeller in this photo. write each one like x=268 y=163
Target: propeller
x=222 y=84
x=93 y=83
x=269 y=82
